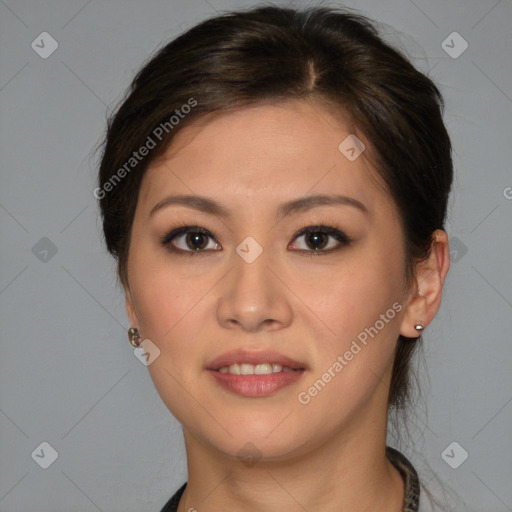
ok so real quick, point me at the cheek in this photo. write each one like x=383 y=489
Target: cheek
x=362 y=310
x=169 y=309
x=354 y=296
x=165 y=305
x=354 y=361
x=159 y=294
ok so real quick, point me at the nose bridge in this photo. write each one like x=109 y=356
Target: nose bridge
x=253 y=295
x=251 y=280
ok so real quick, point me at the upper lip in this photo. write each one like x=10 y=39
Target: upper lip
x=253 y=357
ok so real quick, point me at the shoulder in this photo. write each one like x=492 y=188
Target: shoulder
x=434 y=496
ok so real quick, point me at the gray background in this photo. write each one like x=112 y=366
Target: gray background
x=68 y=376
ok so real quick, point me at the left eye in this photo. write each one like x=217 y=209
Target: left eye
x=316 y=238
x=194 y=240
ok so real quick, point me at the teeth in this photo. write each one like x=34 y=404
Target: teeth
x=251 y=369
x=263 y=369
x=246 y=369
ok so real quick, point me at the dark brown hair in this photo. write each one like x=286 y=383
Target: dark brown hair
x=267 y=54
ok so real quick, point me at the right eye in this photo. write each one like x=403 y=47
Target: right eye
x=193 y=240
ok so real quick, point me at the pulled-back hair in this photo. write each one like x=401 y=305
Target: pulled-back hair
x=273 y=54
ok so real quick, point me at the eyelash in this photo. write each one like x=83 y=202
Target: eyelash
x=344 y=239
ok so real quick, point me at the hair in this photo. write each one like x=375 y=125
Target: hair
x=273 y=54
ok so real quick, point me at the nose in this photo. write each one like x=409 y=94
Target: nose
x=254 y=296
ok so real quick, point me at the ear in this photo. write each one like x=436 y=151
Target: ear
x=130 y=308
x=426 y=294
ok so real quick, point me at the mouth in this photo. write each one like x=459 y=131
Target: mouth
x=259 y=362
x=255 y=374
x=258 y=369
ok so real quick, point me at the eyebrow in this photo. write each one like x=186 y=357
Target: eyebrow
x=210 y=206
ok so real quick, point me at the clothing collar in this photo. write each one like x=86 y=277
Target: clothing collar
x=410 y=477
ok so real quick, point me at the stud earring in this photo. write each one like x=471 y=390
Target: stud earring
x=419 y=327
x=134 y=336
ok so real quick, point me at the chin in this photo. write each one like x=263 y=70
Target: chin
x=257 y=440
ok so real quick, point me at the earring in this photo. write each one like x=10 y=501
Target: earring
x=134 y=336
x=419 y=327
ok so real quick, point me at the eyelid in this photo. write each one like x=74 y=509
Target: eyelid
x=183 y=229
x=332 y=231
x=322 y=228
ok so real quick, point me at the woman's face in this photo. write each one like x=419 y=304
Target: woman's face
x=250 y=282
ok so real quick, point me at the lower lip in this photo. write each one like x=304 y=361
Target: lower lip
x=256 y=385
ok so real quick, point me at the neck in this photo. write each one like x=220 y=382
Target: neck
x=349 y=471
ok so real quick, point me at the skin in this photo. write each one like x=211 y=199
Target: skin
x=330 y=453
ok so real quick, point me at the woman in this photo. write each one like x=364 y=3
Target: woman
x=274 y=188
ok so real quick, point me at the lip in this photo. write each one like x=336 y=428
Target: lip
x=255 y=385
x=254 y=357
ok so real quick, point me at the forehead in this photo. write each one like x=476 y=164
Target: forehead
x=267 y=152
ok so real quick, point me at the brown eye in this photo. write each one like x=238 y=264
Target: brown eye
x=189 y=239
x=195 y=240
x=316 y=239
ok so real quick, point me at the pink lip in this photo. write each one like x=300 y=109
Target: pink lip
x=255 y=385
x=254 y=357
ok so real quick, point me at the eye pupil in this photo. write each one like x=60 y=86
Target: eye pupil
x=314 y=237
x=193 y=238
